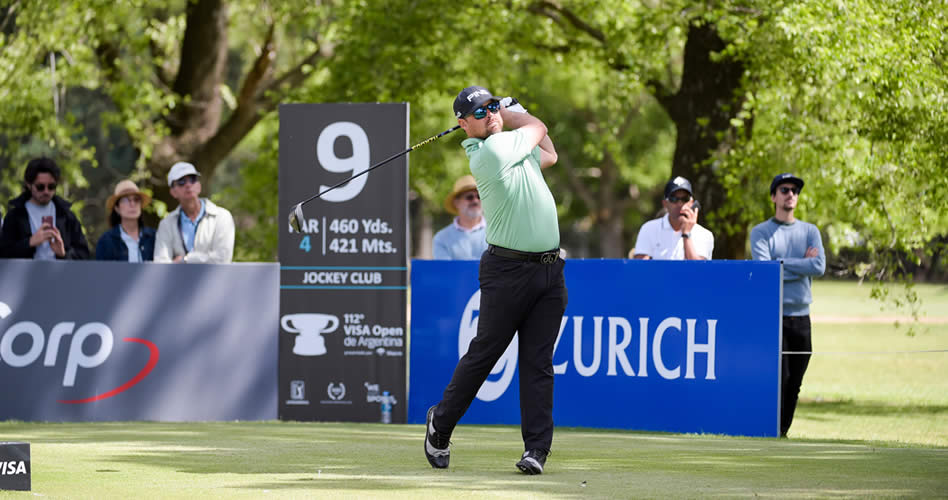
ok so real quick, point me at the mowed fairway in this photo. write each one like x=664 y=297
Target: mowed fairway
x=871 y=423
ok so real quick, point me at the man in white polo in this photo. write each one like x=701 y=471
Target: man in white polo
x=198 y=231
x=677 y=235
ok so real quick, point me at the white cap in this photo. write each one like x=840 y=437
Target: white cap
x=179 y=170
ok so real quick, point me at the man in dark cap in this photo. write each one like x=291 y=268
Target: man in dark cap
x=799 y=246
x=521 y=273
x=677 y=235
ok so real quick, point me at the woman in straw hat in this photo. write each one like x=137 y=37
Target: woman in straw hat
x=128 y=240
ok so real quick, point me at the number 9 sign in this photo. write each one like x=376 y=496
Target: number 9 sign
x=357 y=163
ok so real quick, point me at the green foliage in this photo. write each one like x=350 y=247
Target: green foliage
x=850 y=95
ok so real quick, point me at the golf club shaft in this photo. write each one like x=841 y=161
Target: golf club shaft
x=379 y=164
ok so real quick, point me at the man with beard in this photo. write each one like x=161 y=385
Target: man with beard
x=523 y=290
x=40 y=225
x=799 y=247
x=466 y=237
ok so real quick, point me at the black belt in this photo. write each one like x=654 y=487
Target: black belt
x=541 y=257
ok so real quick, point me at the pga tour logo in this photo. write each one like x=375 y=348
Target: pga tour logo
x=32 y=336
x=618 y=334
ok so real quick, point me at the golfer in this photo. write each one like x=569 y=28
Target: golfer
x=521 y=273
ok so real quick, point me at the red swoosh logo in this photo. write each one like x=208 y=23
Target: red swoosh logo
x=152 y=361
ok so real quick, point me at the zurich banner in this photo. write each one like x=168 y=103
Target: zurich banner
x=648 y=345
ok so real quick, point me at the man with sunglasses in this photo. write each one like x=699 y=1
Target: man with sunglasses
x=41 y=225
x=466 y=237
x=521 y=273
x=799 y=246
x=677 y=235
x=198 y=231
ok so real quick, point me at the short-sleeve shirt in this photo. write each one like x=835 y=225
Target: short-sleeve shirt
x=515 y=197
x=659 y=240
x=455 y=242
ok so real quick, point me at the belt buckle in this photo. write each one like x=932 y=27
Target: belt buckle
x=548 y=258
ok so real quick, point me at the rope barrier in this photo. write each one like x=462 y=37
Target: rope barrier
x=864 y=352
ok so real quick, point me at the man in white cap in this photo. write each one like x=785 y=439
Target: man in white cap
x=198 y=231
x=466 y=237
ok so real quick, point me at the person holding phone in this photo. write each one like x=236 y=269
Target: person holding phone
x=677 y=235
x=41 y=225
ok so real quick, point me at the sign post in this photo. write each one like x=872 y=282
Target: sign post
x=343 y=278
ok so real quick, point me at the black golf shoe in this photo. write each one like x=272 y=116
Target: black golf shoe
x=437 y=445
x=533 y=461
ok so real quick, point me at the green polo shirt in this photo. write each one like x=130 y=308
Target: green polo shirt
x=518 y=204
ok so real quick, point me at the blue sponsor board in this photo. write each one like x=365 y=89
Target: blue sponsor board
x=647 y=345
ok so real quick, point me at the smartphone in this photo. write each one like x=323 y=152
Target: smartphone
x=695 y=205
x=48 y=219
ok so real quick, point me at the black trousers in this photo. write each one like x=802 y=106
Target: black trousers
x=796 y=337
x=528 y=298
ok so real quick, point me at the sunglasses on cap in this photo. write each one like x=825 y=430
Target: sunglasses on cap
x=43 y=187
x=685 y=198
x=481 y=112
x=788 y=189
x=187 y=179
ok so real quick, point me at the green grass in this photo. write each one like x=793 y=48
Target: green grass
x=295 y=460
x=869 y=424
x=849 y=298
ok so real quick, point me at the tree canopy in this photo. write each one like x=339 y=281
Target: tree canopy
x=851 y=96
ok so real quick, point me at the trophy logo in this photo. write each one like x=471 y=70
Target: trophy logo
x=310 y=327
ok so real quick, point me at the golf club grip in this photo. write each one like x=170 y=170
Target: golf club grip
x=379 y=164
x=426 y=141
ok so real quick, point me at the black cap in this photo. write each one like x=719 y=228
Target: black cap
x=676 y=184
x=782 y=178
x=470 y=99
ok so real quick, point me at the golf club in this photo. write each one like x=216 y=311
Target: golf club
x=296 y=213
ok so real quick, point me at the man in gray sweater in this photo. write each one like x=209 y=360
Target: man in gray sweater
x=799 y=247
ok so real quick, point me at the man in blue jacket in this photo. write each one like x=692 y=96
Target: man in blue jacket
x=799 y=247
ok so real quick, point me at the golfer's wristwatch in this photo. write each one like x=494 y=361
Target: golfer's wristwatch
x=686 y=235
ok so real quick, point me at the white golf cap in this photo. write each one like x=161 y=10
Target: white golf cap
x=179 y=170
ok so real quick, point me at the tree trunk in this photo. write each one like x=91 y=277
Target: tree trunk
x=197 y=116
x=702 y=110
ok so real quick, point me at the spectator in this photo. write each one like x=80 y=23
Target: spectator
x=677 y=235
x=466 y=237
x=799 y=247
x=198 y=230
x=128 y=240
x=39 y=224
x=521 y=273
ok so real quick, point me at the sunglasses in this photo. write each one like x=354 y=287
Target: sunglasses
x=675 y=199
x=43 y=187
x=131 y=199
x=187 y=179
x=788 y=189
x=471 y=197
x=481 y=112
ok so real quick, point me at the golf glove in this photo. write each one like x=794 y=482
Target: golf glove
x=512 y=105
